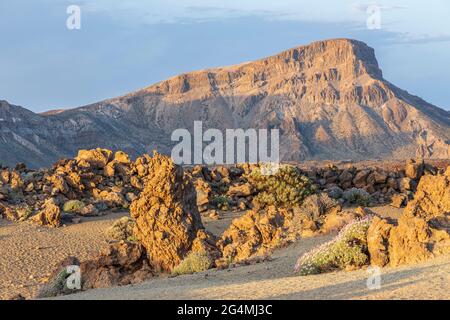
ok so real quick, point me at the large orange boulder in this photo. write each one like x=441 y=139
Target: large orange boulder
x=259 y=232
x=378 y=241
x=49 y=215
x=166 y=214
x=98 y=158
x=423 y=230
x=256 y=233
x=121 y=263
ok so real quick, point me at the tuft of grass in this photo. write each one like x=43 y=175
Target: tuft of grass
x=348 y=249
x=73 y=206
x=357 y=196
x=194 y=262
x=122 y=229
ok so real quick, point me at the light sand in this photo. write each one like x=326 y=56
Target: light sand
x=274 y=280
x=27 y=250
x=29 y=253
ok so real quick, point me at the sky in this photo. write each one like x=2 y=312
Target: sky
x=123 y=46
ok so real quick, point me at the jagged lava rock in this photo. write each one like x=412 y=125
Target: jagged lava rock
x=50 y=215
x=378 y=241
x=96 y=157
x=166 y=214
x=423 y=230
x=259 y=232
x=256 y=233
x=121 y=263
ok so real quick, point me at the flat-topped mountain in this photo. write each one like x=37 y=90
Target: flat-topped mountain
x=329 y=99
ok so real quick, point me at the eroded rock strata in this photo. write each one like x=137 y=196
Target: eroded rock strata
x=329 y=99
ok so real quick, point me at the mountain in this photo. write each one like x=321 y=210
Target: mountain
x=329 y=99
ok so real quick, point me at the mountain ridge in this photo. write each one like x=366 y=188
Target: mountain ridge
x=329 y=99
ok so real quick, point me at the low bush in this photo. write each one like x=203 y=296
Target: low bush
x=357 y=196
x=222 y=202
x=348 y=249
x=194 y=262
x=286 y=188
x=122 y=229
x=73 y=206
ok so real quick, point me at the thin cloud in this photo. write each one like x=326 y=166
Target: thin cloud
x=427 y=39
x=362 y=7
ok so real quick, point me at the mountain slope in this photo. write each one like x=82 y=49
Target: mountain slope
x=328 y=99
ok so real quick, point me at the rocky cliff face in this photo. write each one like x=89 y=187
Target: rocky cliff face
x=328 y=99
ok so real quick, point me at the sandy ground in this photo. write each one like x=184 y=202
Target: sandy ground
x=29 y=253
x=274 y=280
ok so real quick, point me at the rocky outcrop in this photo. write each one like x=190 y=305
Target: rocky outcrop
x=98 y=181
x=382 y=183
x=50 y=215
x=166 y=228
x=203 y=190
x=423 y=230
x=410 y=242
x=78 y=187
x=256 y=233
x=120 y=264
x=98 y=158
x=399 y=200
x=166 y=214
x=309 y=218
x=414 y=170
x=259 y=232
x=378 y=241
x=242 y=190
x=432 y=199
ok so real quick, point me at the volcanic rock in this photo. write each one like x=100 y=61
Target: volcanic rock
x=166 y=214
x=121 y=263
x=378 y=241
x=423 y=230
x=50 y=215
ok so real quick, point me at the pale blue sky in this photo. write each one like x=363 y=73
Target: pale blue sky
x=126 y=45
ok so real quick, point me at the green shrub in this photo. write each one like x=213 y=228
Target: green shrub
x=219 y=186
x=122 y=229
x=348 y=249
x=221 y=202
x=73 y=206
x=287 y=187
x=194 y=262
x=357 y=196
